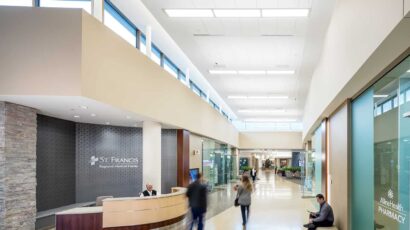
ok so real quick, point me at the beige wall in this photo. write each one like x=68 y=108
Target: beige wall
x=270 y=140
x=40 y=51
x=338 y=166
x=64 y=52
x=354 y=52
x=195 y=143
x=117 y=74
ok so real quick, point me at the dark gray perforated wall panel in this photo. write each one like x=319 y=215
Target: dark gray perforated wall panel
x=106 y=161
x=169 y=160
x=55 y=163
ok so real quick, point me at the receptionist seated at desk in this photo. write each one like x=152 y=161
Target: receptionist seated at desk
x=149 y=191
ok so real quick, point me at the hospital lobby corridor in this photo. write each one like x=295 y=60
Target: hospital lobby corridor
x=147 y=114
x=277 y=204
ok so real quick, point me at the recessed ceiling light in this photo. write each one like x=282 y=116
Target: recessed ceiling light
x=408 y=71
x=237 y=13
x=189 y=13
x=278 y=72
x=93 y=114
x=76 y=116
x=260 y=110
x=252 y=72
x=128 y=117
x=258 y=97
x=222 y=72
x=380 y=96
x=107 y=123
x=270 y=120
x=237 y=97
x=268 y=97
x=273 y=13
x=83 y=107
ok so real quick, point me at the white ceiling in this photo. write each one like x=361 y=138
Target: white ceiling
x=252 y=44
x=79 y=109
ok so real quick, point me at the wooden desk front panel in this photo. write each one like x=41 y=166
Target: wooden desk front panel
x=89 y=221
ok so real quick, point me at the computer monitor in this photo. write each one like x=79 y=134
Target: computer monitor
x=193 y=173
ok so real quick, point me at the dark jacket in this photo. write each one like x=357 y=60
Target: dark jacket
x=325 y=214
x=197 y=194
x=146 y=193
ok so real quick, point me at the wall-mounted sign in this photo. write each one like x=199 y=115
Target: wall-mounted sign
x=105 y=162
x=389 y=208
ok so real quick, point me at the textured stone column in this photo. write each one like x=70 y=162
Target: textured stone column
x=18 y=133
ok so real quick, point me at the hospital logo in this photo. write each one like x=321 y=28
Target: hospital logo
x=390 y=194
x=93 y=160
x=112 y=161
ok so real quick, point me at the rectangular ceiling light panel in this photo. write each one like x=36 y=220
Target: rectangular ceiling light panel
x=232 y=72
x=270 y=120
x=189 y=13
x=237 y=13
x=280 y=72
x=257 y=97
x=261 y=111
x=252 y=72
x=280 y=13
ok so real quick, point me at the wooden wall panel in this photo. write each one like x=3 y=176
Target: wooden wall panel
x=339 y=165
x=183 y=158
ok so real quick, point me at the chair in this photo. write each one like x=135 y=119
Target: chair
x=99 y=201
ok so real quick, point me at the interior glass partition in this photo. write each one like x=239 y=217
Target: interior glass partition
x=219 y=164
x=314 y=158
x=381 y=153
x=362 y=194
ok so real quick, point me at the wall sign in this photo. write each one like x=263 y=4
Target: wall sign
x=106 y=162
x=392 y=210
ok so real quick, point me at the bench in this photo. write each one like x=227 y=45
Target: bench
x=327 y=228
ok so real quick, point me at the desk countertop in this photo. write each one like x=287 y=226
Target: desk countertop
x=83 y=210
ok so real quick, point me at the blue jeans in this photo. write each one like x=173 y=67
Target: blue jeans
x=245 y=214
x=197 y=215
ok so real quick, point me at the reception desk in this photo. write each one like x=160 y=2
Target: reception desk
x=129 y=213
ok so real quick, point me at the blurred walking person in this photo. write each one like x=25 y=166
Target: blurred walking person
x=197 y=194
x=253 y=174
x=245 y=190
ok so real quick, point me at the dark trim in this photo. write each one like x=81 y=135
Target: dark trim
x=162 y=58
x=138 y=39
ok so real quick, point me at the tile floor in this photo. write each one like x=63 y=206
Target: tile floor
x=276 y=205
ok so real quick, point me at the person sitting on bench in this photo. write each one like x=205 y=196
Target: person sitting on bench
x=323 y=218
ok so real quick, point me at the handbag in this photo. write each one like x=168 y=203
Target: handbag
x=237 y=200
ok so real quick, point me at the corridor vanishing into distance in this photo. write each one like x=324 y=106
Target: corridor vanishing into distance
x=276 y=204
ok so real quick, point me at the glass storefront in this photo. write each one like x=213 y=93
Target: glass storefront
x=219 y=163
x=313 y=164
x=386 y=146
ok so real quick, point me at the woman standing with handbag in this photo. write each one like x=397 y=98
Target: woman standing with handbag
x=243 y=198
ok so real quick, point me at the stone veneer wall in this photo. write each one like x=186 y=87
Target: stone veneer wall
x=18 y=131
